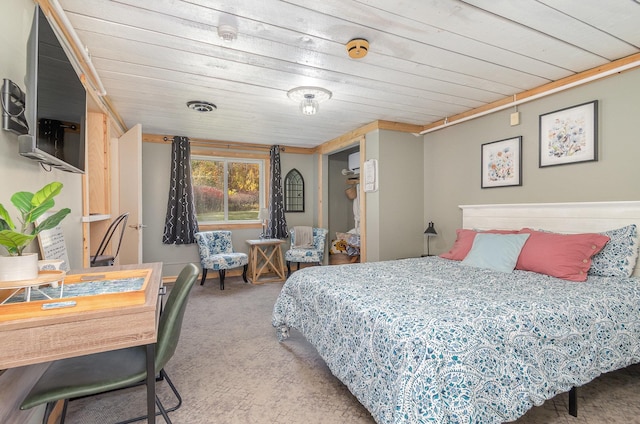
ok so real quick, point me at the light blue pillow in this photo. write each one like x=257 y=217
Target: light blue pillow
x=498 y=252
x=618 y=257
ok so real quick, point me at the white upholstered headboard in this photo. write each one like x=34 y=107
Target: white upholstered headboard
x=579 y=217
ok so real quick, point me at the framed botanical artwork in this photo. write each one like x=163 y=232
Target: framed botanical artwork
x=502 y=163
x=569 y=135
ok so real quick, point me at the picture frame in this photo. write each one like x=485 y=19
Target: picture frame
x=569 y=135
x=501 y=163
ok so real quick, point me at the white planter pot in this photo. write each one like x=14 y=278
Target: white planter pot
x=16 y=268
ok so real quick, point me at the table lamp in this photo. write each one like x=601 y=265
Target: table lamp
x=430 y=232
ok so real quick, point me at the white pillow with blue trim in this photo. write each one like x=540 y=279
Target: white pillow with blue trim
x=498 y=252
x=618 y=257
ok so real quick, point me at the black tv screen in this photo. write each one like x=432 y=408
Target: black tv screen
x=55 y=105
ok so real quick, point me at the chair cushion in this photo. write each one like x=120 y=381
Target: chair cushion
x=225 y=261
x=214 y=242
x=303 y=255
x=88 y=375
x=102 y=260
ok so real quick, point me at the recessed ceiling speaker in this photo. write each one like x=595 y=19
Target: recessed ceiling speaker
x=357 y=48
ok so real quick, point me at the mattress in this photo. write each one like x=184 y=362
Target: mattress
x=432 y=340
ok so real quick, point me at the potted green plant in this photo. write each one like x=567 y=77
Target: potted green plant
x=19 y=265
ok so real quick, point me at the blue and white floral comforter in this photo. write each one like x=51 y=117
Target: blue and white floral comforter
x=428 y=340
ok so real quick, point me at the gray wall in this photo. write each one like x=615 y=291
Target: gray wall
x=156 y=159
x=395 y=212
x=308 y=167
x=16 y=172
x=452 y=157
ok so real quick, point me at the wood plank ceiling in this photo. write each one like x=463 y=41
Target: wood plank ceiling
x=428 y=59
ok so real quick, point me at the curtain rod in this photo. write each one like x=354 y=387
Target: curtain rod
x=228 y=145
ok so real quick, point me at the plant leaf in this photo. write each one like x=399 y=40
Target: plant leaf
x=52 y=220
x=42 y=200
x=15 y=242
x=46 y=193
x=22 y=201
x=36 y=212
x=7 y=223
x=4 y=225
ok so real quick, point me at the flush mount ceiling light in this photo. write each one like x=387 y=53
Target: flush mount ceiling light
x=309 y=98
x=227 y=32
x=201 y=106
x=357 y=48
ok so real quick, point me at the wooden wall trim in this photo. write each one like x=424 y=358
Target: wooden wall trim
x=611 y=68
x=102 y=102
x=363 y=205
x=330 y=146
x=226 y=145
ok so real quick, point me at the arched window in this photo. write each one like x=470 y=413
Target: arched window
x=294 y=192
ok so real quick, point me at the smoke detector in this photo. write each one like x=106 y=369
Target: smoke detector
x=357 y=48
x=227 y=32
x=201 y=106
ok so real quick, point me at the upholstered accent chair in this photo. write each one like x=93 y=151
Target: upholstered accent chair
x=314 y=254
x=216 y=253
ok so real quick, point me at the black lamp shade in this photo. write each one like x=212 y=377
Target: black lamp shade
x=430 y=231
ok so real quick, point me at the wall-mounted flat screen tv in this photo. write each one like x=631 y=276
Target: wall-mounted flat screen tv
x=55 y=105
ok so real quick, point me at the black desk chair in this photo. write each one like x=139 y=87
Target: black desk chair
x=100 y=259
x=105 y=371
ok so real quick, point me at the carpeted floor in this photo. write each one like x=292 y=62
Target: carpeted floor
x=230 y=368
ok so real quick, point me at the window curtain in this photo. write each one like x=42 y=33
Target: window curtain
x=277 y=222
x=180 y=224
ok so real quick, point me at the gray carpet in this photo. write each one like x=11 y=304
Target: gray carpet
x=230 y=368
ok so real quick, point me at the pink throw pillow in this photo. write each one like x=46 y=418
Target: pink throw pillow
x=462 y=245
x=566 y=256
x=464 y=241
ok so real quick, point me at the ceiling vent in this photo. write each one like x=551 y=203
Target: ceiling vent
x=357 y=48
x=201 y=106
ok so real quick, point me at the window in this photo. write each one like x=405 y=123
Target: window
x=294 y=192
x=227 y=190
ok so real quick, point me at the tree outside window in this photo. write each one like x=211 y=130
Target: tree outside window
x=227 y=190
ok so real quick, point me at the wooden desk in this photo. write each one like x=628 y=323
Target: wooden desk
x=66 y=333
x=265 y=255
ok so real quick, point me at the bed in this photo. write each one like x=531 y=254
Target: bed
x=435 y=340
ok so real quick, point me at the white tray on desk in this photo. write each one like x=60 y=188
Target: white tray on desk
x=44 y=277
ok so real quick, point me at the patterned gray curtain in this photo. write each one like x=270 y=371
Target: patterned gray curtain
x=180 y=223
x=277 y=222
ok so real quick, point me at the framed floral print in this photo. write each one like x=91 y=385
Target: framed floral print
x=502 y=163
x=569 y=135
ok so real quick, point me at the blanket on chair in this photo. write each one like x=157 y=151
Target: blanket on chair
x=303 y=237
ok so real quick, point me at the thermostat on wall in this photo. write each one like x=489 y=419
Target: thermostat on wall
x=370 y=175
